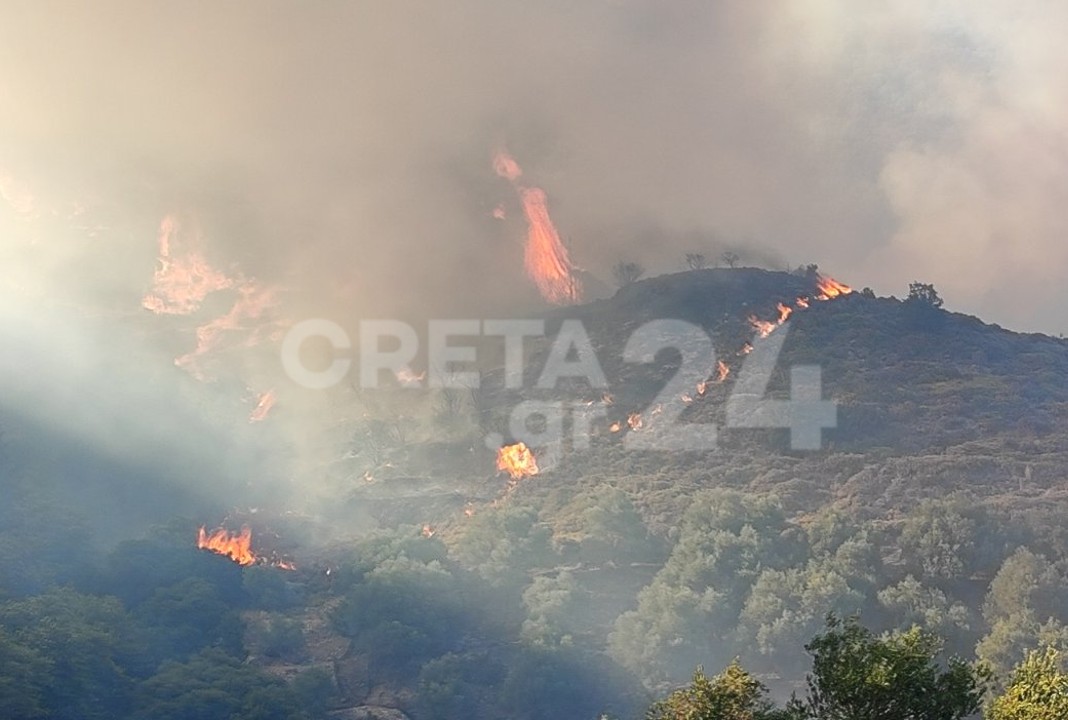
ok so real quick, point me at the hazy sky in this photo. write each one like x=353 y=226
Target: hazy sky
x=341 y=152
x=331 y=144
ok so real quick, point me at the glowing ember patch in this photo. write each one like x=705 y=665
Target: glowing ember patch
x=615 y=427
x=263 y=407
x=408 y=378
x=499 y=212
x=236 y=547
x=517 y=460
x=545 y=258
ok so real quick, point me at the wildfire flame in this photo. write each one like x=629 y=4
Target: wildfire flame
x=634 y=421
x=517 y=460
x=237 y=547
x=184 y=277
x=545 y=258
x=784 y=312
x=830 y=288
x=702 y=387
x=615 y=427
x=409 y=378
x=428 y=531
x=263 y=407
x=722 y=371
x=252 y=303
x=763 y=328
x=746 y=349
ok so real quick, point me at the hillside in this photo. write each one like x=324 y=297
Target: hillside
x=928 y=402
x=604 y=579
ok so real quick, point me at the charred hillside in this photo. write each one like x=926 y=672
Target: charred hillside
x=907 y=377
x=929 y=402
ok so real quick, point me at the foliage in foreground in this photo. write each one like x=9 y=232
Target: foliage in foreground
x=1038 y=690
x=855 y=676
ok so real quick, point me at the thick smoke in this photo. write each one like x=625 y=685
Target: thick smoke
x=341 y=152
x=347 y=145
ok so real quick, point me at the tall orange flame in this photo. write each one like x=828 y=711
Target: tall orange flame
x=546 y=260
x=517 y=460
x=236 y=547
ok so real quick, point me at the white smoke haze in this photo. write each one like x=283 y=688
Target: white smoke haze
x=341 y=153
